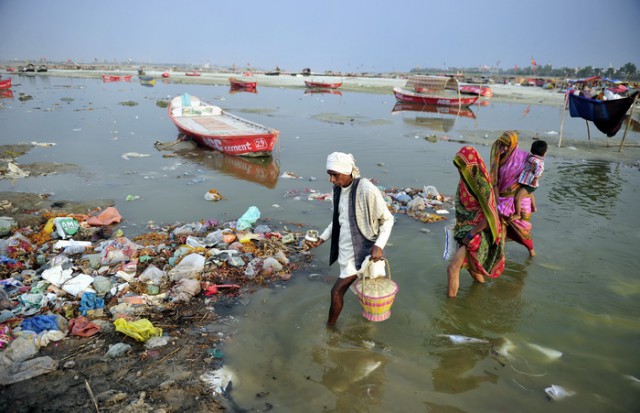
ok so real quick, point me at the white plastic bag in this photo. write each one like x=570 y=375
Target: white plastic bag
x=450 y=244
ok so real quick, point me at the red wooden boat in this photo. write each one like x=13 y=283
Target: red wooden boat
x=193 y=74
x=212 y=127
x=115 y=78
x=242 y=84
x=5 y=83
x=165 y=74
x=476 y=90
x=404 y=95
x=434 y=90
x=324 y=85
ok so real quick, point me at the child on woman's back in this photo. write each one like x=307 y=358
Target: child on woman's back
x=528 y=180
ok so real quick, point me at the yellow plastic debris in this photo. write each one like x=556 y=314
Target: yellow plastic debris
x=141 y=330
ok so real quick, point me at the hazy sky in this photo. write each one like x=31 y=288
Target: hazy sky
x=340 y=35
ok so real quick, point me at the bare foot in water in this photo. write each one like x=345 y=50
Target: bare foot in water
x=532 y=253
x=478 y=277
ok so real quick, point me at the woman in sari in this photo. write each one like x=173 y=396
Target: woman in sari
x=507 y=162
x=478 y=229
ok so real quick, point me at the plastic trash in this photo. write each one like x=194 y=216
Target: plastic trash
x=556 y=392
x=7 y=224
x=218 y=380
x=457 y=339
x=430 y=191
x=117 y=350
x=140 y=330
x=107 y=217
x=248 y=218
x=185 y=289
x=153 y=275
x=190 y=267
x=90 y=301
x=65 y=227
x=450 y=244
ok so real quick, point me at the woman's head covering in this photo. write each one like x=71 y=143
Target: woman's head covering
x=343 y=163
x=508 y=139
x=474 y=173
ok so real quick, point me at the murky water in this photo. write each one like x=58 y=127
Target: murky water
x=568 y=317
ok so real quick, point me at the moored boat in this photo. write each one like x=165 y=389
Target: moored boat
x=323 y=85
x=5 y=83
x=484 y=91
x=404 y=95
x=193 y=73
x=433 y=90
x=212 y=127
x=237 y=83
x=165 y=74
x=116 y=78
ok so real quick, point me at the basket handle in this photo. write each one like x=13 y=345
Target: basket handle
x=388 y=271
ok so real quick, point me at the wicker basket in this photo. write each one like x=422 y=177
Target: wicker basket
x=376 y=296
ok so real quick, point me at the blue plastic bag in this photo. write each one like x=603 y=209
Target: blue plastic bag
x=248 y=218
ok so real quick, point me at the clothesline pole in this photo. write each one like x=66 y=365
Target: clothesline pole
x=633 y=106
x=564 y=109
x=588 y=130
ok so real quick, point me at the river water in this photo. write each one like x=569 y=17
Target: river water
x=568 y=317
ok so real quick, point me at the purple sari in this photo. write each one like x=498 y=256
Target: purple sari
x=506 y=166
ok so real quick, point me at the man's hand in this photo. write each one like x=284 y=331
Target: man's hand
x=376 y=253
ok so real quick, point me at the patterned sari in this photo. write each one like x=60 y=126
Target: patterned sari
x=505 y=169
x=474 y=202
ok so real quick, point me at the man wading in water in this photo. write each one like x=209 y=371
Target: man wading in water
x=361 y=225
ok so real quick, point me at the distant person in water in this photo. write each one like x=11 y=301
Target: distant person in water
x=361 y=225
x=530 y=176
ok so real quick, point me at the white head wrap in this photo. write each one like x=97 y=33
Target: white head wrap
x=343 y=163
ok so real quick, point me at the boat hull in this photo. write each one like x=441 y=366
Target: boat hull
x=476 y=90
x=112 y=78
x=225 y=132
x=322 y=85
x=242 y=84
x=404 y=95
x=5 y=83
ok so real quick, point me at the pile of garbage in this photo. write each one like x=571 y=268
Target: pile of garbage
x=77 y=275
x=424 y=204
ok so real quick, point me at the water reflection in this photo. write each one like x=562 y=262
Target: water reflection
x=264 y=171
x=6 y=94
x=234 y=90
x=314 y=91
x=353 y=368
x=593 y=186
x=486 y=311
x=438 y=118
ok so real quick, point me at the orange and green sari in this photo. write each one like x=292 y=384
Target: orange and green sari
x=476 y=201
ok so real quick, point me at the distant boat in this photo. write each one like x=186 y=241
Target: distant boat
x=116 y=78
x=5 y=83
x=42 y=68
x=322 y=85
x=433 y=90
x=212 y=127
x=147 y=80
x=193 y=73
x=165 y=74
x=237 y=83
